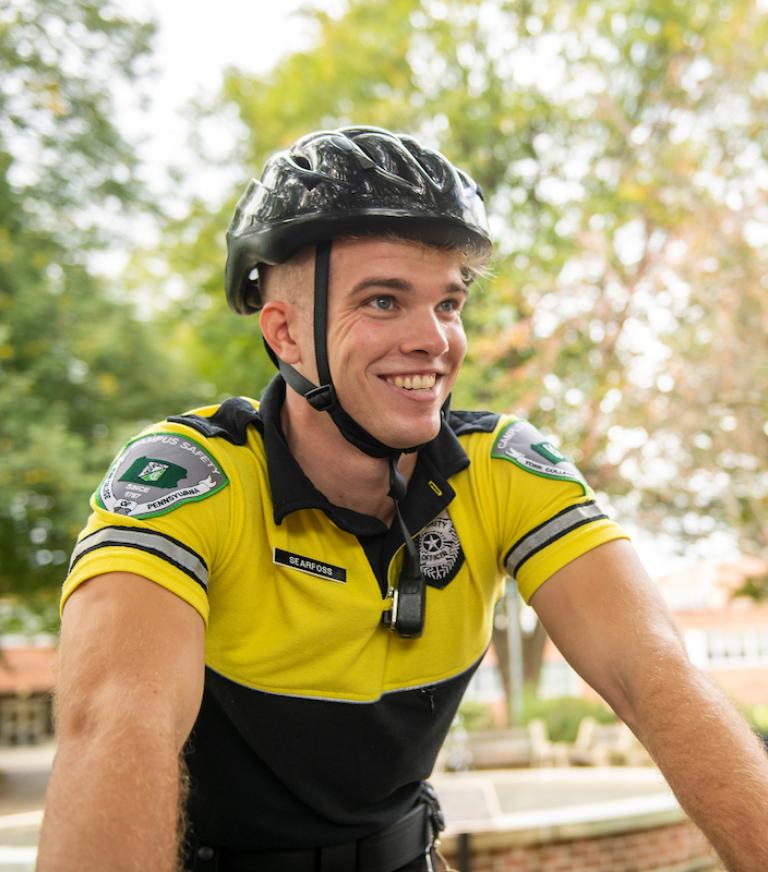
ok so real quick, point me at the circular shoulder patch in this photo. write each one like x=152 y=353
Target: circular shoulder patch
x=157 y=473
x=440 y=552
x=522 y=444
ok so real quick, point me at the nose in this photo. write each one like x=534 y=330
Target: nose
x=425 y=333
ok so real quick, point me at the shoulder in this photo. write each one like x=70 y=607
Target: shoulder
x=229 y=420
x=184 y=459
x=463 y=422
x=495 y=439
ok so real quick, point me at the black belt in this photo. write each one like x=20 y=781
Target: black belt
x=385 y=851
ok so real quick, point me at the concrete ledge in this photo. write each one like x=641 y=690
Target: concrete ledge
x=472 y=805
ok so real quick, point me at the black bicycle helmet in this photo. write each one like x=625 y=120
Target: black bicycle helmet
x=353 y=181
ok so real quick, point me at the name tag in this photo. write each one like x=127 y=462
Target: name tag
x=309 y=565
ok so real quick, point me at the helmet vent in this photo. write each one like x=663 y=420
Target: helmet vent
x=307 y=175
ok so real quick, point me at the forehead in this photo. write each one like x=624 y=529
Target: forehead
x=356 y=259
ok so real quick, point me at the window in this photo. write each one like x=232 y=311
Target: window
x=743 y=647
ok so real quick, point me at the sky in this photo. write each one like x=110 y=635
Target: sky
x=194 y=45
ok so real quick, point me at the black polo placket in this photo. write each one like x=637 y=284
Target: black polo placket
x=429 y=491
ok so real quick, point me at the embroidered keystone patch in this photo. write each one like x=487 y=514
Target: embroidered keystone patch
x=522 y=444
x=157 y=473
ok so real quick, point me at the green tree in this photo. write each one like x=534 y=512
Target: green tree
x=78 y=369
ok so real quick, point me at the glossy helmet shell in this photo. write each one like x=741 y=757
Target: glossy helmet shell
x=349 y=182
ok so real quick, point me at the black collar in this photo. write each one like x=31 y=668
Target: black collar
x=429 y=491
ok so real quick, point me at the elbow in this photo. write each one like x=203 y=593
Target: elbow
x=652 y=687
x=113 y=716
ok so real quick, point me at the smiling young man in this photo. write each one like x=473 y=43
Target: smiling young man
x=292 y=596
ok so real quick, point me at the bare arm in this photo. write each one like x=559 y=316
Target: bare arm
x=607 y=618
x=129 y=689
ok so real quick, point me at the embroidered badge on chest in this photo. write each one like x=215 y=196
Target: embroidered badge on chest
x=440 y=553
x=157 y=473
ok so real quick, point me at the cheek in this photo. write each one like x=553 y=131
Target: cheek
x=458 y=343
x=349 y=346
x=362 y=339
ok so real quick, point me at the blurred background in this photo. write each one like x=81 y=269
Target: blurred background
x=623 y=152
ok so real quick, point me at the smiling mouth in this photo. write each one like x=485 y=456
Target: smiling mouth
x=423 y=382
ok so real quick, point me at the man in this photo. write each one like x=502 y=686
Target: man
x=299 y=591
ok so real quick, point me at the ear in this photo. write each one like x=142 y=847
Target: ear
x=279 y=324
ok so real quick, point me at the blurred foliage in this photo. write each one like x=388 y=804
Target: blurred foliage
x=622 y=149
x=562 y=715
x=473 y=715
x=79 y=371
x=754 y=587
x=32 y=615
x=757 y=716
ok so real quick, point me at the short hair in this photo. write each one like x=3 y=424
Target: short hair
x=285 y=281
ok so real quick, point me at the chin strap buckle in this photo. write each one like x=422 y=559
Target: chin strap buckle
x=321 y=399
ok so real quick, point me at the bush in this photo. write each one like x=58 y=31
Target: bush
x=561 y=715
x=757 y=716
x=475 y=716
x=564 y=714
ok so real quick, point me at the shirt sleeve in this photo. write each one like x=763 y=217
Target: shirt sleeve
x=548 y=514
x=157 y=513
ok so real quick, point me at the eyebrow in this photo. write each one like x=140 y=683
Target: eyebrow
x=402 y=285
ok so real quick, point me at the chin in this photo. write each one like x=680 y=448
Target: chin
x=402 y=438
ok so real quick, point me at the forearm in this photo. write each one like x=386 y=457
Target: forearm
x=607 y=617
x=112 y=804
x=711 y=759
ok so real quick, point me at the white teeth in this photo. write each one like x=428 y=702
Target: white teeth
x=414 y=382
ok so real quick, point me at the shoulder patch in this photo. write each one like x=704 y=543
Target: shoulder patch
x=158 y=472
x=522 y=444
x=462 y=422
x=230 y=421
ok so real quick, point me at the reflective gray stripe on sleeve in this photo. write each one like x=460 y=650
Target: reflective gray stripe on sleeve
x=548 y=532
x=169 y=549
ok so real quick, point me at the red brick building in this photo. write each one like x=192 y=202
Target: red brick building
x=26 y=687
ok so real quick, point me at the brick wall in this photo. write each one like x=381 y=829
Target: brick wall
x=679 y=847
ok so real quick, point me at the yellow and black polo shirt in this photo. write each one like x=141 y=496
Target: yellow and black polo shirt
x=317 y=723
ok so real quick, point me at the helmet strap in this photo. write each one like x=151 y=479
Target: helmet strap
x=322 y=277
x=322 y=398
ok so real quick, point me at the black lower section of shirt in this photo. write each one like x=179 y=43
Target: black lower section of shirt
x=272 y=773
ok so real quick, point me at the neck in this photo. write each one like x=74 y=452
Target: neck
x=345 y=475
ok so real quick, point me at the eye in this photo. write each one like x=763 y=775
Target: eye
x=382 y=302
x=452 y=304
